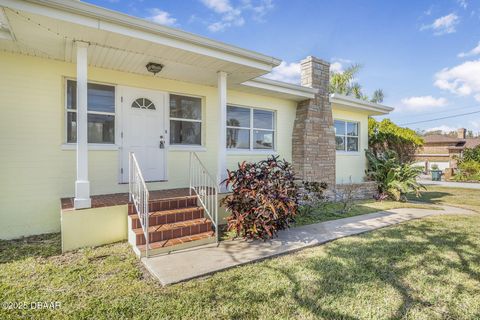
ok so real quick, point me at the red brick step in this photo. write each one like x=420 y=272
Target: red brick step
x=176 y=241
x=167 y=204
x=174 y=230
x=169 y=216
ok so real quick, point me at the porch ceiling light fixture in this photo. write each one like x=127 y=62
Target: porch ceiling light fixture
x=154 y=67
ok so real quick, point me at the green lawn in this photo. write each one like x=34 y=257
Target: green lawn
x=423 y=269
x=331 y=210
x=460 y=197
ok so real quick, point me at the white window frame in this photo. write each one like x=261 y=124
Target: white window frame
x=346 y=135
x=91 y=146
x=251 y=129
x=187 y=147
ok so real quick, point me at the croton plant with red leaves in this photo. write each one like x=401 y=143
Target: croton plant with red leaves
x=264 y=198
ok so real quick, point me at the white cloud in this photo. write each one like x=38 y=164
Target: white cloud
x=259 y=9
x=336 y=67
x=475 y=51
x=286 y=72
x=462 y=80
x=443 y=128
x=423 y=102
x=231 y=15
x=290 y=72
x=161 y=17
x=443 y=25
x=338 y=64
x=219 y=6
x=463 y=3
x=428 y=12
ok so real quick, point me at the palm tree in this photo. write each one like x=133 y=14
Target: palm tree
x=356 y=90
x=343 y=83
x=378 y=96
x=340 y=82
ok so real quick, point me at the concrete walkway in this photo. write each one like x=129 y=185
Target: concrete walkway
x=464 y=185
x=200 y=261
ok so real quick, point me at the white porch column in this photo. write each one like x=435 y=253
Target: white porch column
x=222 y=127
x=82 y=185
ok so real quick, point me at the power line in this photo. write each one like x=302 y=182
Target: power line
x=442 y=118
x=438 y=112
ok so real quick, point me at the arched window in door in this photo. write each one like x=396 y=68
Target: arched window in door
x=143 y=103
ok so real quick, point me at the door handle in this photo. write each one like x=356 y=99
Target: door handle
x=162 y=143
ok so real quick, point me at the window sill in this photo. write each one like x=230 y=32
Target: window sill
x=250 y=152
x=348 y=153
x=186 y=148
x=92 y=146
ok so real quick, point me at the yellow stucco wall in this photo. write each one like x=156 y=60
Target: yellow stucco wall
x=352 y=164
x=93 y=227
x=36 y=172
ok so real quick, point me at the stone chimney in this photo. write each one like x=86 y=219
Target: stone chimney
x=313 y=142
x=461 y=133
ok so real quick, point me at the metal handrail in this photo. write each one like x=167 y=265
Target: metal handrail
x=139 y=195
x=206 y=189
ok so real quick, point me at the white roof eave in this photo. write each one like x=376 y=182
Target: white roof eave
x=97 y=17
x=350 y=102
x=296 y=92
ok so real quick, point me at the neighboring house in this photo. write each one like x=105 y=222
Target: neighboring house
x=82 y=88
x=443 y=150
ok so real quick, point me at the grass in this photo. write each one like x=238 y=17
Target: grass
x=331 y=211
x=459 y=197
x=423 y=269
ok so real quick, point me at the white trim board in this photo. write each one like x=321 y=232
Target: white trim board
x=358 y=104
x=295 y=91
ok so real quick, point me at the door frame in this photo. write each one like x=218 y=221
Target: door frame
x=123 y=164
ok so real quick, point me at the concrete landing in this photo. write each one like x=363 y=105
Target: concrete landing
x=200 y=261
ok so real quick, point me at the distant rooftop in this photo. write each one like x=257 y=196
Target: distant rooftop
x=452 y=141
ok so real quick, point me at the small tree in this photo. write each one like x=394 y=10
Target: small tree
x=263 y=200
x=386 y=135
x=344 y=83
x=346 y=196
x=312 y=196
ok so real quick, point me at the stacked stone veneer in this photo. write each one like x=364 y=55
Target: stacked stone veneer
x=313 y=144
x=364 y=190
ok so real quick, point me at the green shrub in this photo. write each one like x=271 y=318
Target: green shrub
x=471 y=154
x=264 y=198
x=385 y=135
x=468 y=170
x=393 y=178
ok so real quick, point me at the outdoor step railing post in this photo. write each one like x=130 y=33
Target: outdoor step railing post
x=205 y=188
x=139 y=196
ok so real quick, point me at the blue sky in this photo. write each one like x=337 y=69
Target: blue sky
x=424 y=54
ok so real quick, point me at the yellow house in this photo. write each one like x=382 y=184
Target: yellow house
x=113 y=127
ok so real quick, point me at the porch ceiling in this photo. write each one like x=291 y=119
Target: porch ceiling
x=127 y=50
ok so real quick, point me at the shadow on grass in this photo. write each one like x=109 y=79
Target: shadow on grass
x=44 y=246
x=389 y=258
x=431 y=197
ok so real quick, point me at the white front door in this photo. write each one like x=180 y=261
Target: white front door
x=144 y=131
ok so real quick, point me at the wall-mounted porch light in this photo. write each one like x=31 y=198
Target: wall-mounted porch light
x=154 y=67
